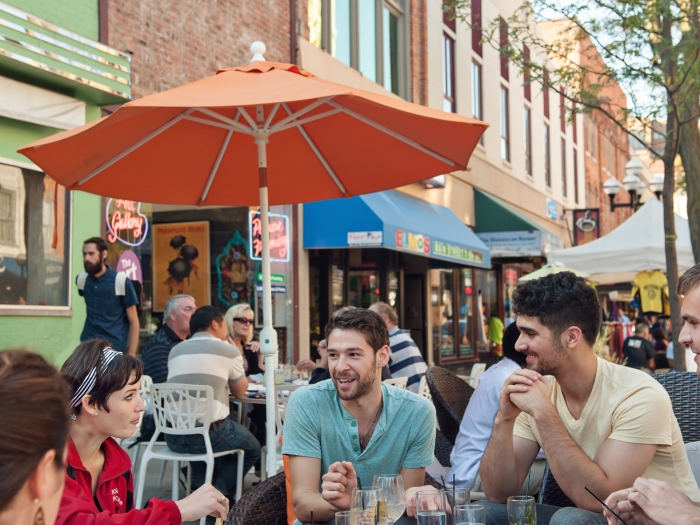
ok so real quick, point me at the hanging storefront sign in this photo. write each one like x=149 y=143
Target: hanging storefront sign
x=586 y=225
x=181 y=262
x=279 y=237
x=276 y=288
x=365 y=238
x=422 y=244
x=130 y=266
x=125 y=222
x=552 y=210
x=520 y=243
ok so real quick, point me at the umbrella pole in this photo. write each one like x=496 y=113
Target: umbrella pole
x=268 y=335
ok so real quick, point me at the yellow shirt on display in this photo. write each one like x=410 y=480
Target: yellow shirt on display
x=626 y=405
x=651 y=287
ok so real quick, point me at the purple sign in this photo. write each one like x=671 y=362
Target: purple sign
x=129 y=264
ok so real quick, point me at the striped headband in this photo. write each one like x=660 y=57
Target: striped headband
x=89 y=382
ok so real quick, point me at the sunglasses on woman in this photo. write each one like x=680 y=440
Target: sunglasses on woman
x=243 y=320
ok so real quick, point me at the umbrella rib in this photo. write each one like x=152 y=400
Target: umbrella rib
x=233 y=122
x=253 y=125
x=303 y=111
x=391 y=133
x=321 y=158
x=271 y=116
x=215 y=169
x=135 y=146
x=214 y=124
x=301 y=122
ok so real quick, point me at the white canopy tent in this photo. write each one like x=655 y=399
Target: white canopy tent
x=634 y=246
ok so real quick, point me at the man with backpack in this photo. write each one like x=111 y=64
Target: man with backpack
x=110 y=300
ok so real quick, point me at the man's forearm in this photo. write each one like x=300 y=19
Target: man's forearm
x=498 y=463
x=309 y=501
x=571 y=467
x=133 y=338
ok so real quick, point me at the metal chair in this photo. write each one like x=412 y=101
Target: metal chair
x=684 y=390
x=450 y=395
x=266 y=503
x=180 y=409
x=398 y=382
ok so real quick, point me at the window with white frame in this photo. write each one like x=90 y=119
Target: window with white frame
x=505 y=125
x=367 y=35
x=477 y=100
x=527 y=131
x=547 y=157
x=563 y=168
x=449 y=103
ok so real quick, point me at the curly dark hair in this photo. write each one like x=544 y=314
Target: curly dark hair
x=369 y=323
x=560 y=300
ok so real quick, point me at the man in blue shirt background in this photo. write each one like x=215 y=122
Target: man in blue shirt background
x=110 y=300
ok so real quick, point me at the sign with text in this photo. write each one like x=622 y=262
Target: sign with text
x=552 y=209
x=125 y=222
x=422 y=244
x=130 y=266
x=586 y=225
x=279 y=237
x=365 y=238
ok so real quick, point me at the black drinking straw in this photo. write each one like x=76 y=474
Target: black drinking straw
x=444 y=487
x=312 y=517
x=454 y=483
x=604 y=505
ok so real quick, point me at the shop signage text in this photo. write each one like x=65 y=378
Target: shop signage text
x=457 y=252
x=365 y=238
x=586 y=225
x=552 y=210
x=413 y=242
x=419 y=243
x=275 y=288
x=126 y=224
x=129 y=265
x=275 y=277
x=279 y=237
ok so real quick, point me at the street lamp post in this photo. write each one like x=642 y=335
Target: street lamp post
x=632 y=183
x=657 y=185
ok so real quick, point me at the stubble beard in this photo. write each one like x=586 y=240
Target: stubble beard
x=363 y=385
x=558 y=358
x=93 y=268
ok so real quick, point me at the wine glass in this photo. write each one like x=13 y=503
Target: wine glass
x=364 y=503
x=522 y=510
x=431 y=507
x=393 y=493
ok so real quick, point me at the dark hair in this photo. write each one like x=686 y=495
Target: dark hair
x=202 y=318
x=659 y=334
x=369 y=323
x=689 y=280
x=99 y=242
x=88 y=355
x=34 y=418
x=510 y=337
x=560 y=300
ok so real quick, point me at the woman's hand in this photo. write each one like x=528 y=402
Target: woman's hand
x=306 y=364
x=205 y=501
x=253 y=346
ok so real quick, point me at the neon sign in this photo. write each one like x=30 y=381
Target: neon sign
x=279 y=237
x=126 y=221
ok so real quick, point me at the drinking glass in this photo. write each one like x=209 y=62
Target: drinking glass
x=364 y=503
x=522 y=510
x=279 y=376
x=343 y=518
x=471 y=514
x=431 y=507
x=393 y=493
x=457 y=497
x=289 y=373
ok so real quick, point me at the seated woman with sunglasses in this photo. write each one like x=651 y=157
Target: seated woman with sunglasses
x=104 y=389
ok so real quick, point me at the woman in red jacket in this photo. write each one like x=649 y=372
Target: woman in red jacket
x=99 y=487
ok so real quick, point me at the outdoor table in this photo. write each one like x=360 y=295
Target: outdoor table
x=257 y=400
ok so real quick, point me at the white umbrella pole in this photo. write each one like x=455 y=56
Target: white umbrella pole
x=268 y=336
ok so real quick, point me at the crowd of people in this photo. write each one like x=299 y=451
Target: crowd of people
x=600 y=427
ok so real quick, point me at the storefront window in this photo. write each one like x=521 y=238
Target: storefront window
x=488 y=303
x=32 y=211
x=443 y=331
x=393 y=289
x=338 y=287
x=363 y=288
x=465 y=314
x=510 y=274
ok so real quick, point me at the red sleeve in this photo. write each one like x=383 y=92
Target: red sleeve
x=79 y=509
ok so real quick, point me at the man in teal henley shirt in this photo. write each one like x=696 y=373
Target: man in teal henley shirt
x=353 y=425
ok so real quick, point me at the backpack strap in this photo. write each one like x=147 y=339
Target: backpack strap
x=120 y=284
x=80 y=280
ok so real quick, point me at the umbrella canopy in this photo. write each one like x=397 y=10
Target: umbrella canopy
x=195 y=144
x=267 y=133
x=634 y=246
x=549 y=268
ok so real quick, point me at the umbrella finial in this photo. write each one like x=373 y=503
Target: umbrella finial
x=258 y=49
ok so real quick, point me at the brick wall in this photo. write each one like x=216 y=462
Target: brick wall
x=173 y=42
x=419 y=52
x=79 y=16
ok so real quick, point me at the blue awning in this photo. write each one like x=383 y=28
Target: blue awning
x=390 y=219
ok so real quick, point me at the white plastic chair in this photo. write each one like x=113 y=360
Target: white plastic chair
x=398 y=382
x=473 y=378
x=282 y=401
x=423 y=389
x=180 y=409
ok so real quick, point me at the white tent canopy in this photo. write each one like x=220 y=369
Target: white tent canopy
x=634 y=246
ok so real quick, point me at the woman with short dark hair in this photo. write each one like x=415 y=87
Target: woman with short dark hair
x=33 y=434
x=105 y=402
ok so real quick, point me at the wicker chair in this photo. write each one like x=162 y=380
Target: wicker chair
x=684 y=390
x=551 y=493
x=443 y=449
x=450 y=396
x=266 y=503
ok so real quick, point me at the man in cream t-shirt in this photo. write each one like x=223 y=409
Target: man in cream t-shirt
x=601 y=425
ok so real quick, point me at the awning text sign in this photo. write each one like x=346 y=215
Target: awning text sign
x=424 y=245
x=520 y=243
x=374 y=238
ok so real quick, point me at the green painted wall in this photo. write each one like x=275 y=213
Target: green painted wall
x=79 y=16
x=54 y=337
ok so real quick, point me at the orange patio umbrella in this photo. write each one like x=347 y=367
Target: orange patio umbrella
x=266 y=133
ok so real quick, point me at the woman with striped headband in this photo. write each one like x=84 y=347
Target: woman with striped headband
x=104 y=387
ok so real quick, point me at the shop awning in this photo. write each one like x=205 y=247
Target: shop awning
x=508 y=232
x=390 y=219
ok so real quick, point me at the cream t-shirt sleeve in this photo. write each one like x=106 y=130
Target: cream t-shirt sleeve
x=645 y=417
x=523 y=427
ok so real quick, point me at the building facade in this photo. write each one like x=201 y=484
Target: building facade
x=54 y=75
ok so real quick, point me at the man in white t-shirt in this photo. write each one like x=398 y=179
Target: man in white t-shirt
x=651 y=501
x=601 y=425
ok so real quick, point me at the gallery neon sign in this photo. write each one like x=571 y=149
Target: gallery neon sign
x=279 y=236
x=126 y=219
